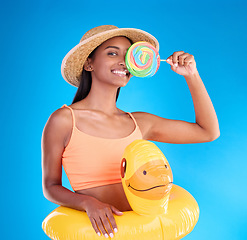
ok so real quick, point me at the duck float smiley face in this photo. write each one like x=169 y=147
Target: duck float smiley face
x=146 y=178
x=151 y=181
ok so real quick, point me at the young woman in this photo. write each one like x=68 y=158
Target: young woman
x=89 y=136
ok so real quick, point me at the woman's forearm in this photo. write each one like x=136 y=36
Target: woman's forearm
x=64 y=197
x=205 y=114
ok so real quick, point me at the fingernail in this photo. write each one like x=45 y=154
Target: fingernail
x=106 y=235
x=115 y=229
x=111 y=235
x=175 y=64
x=99 y=233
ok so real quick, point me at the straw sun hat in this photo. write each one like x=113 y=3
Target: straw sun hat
x=73 y=62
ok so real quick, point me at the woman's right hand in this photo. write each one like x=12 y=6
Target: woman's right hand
x=101 y=216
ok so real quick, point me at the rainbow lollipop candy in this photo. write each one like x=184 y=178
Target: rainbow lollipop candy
x=142 y=59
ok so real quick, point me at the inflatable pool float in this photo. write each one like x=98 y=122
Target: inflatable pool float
x=161 y=210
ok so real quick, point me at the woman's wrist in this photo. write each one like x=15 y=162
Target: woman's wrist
x=84 y=201
x=193 y=77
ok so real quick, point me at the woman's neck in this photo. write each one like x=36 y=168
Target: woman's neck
x=102 y=99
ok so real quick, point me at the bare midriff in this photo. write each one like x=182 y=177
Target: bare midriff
x=112 y=194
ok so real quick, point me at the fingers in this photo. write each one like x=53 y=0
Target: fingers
x=105 y=226
x=102 y=226
x=95 y=226
x=175 y=58
x=104 y=222
x=113 y=226
x=189 y=59
x=180 y=58
x=116 y=211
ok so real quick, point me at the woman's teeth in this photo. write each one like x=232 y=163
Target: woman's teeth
x=120 y=73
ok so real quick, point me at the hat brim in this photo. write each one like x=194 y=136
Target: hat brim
x=72 y=64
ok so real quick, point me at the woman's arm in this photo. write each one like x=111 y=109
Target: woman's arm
x=54 y=136
x=54 y=139
x=205 y=128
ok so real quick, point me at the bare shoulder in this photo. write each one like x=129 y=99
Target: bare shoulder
x=60 y=118
x=144 y=117
x=59 y=124
x=144 y=121
x=152 y=125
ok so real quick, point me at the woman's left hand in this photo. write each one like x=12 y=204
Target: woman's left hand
x=182 y=63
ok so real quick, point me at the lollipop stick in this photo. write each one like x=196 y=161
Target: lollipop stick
x=162 y=60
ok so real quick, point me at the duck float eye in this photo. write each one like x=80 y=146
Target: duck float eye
x=144 y=172
x=123 y=167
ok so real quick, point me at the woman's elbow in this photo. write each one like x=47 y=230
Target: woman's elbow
x=48 y=190
x=46 y=193
x=213 y=136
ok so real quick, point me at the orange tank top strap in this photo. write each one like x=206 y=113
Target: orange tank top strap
x=132 y=117
x=72 y=113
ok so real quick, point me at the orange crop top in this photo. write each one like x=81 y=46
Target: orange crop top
x=94 y=161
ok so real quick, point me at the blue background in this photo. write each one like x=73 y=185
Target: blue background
x=36 y=35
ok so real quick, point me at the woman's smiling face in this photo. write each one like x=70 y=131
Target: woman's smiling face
x=108 y=62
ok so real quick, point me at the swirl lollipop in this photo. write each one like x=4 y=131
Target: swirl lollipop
x=142 y=59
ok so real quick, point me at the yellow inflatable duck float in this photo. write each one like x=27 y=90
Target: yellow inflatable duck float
x=161 y=210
